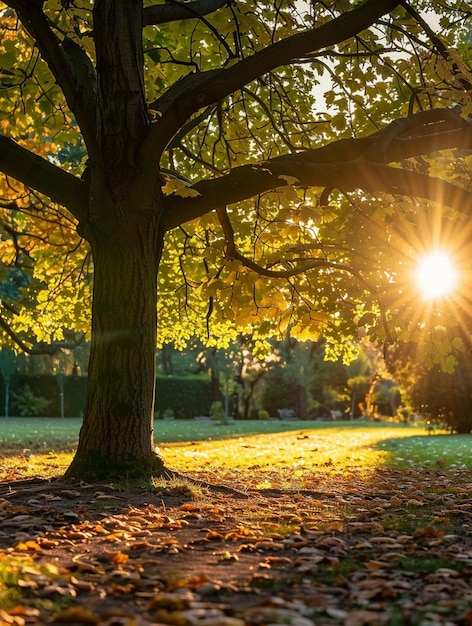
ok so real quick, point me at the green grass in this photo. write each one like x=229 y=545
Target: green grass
x=427 y=565
x=251 y=449
x=38 y=434
x=433 y=451
x=45 y=434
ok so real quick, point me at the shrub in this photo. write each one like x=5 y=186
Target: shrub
x=262 y=414
x=28 y=404
x=404 y=414
x=217 y=412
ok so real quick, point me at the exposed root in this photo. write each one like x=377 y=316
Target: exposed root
x=210 y=486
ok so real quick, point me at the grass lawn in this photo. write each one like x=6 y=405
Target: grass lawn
x=59 y=434
x=282 y=454
x=435 y=451
x=46 y=434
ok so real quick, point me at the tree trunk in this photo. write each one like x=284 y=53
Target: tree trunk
x=7 y=398
x=167 y=352
x=302 y=402
x=216 y=395
x=116 y=439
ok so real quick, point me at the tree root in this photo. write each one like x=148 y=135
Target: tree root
x=241 y=495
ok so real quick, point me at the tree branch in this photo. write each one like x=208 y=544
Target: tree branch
x=250 y=181
x=318 y=264
x=44 y=177
x=347 y=165
x=191 y=124
x=438 y=44
x=175 y=11
x=66 y=64
x=197 y=91
x=230 y=252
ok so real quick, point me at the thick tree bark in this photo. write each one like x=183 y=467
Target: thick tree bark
x=117 y=433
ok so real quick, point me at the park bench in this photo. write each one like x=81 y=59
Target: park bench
x=287 y=414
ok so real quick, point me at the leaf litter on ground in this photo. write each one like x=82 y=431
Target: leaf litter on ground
x=340 y=543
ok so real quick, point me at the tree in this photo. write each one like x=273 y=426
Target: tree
x=7 y=370
x=300 y=379
x=179 y=145
x=434 y=392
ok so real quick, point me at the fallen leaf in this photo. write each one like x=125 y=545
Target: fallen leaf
x=119 y=558
x=76 y=615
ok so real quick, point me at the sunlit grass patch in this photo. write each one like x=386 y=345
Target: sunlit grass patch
x=18 y=467
x=301 y=459
x=177 y=487
x=281 y=457
x=50 y=433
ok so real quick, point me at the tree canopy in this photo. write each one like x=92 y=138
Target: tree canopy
x=274 y=167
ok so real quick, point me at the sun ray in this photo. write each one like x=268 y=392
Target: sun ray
x=429 y=288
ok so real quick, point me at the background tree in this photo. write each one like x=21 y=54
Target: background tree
x=7 y=371
x=181 y=146
x=300 y=379
x=435 y=393
x=386 y=398
x=251 y=373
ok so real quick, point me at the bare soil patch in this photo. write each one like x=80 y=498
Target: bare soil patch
x=391 y=548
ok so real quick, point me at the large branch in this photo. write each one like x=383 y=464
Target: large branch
x=422 y=133
x=69 y=64
x=176 y=11
x=249 y=181
x=347 y=164
x=44 y=177
x=200 y=90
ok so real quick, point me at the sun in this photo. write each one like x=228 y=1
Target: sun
x=436 y=275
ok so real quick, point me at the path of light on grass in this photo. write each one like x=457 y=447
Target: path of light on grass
x=297 y=460
x=300 y=459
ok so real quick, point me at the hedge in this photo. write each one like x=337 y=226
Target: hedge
x=186 y=397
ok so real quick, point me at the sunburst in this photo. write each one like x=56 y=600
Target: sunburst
x=430 y=284
x=436 y=275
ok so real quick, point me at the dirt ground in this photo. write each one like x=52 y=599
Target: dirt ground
x=397 y=550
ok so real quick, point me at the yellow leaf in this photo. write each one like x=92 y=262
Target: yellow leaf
x=179 y=188
x=228 y=556
x=290 y=180
x=28 y=546
x=285 y=320
x=117 y=557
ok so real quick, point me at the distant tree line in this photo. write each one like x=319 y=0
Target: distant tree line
x=290 y=375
